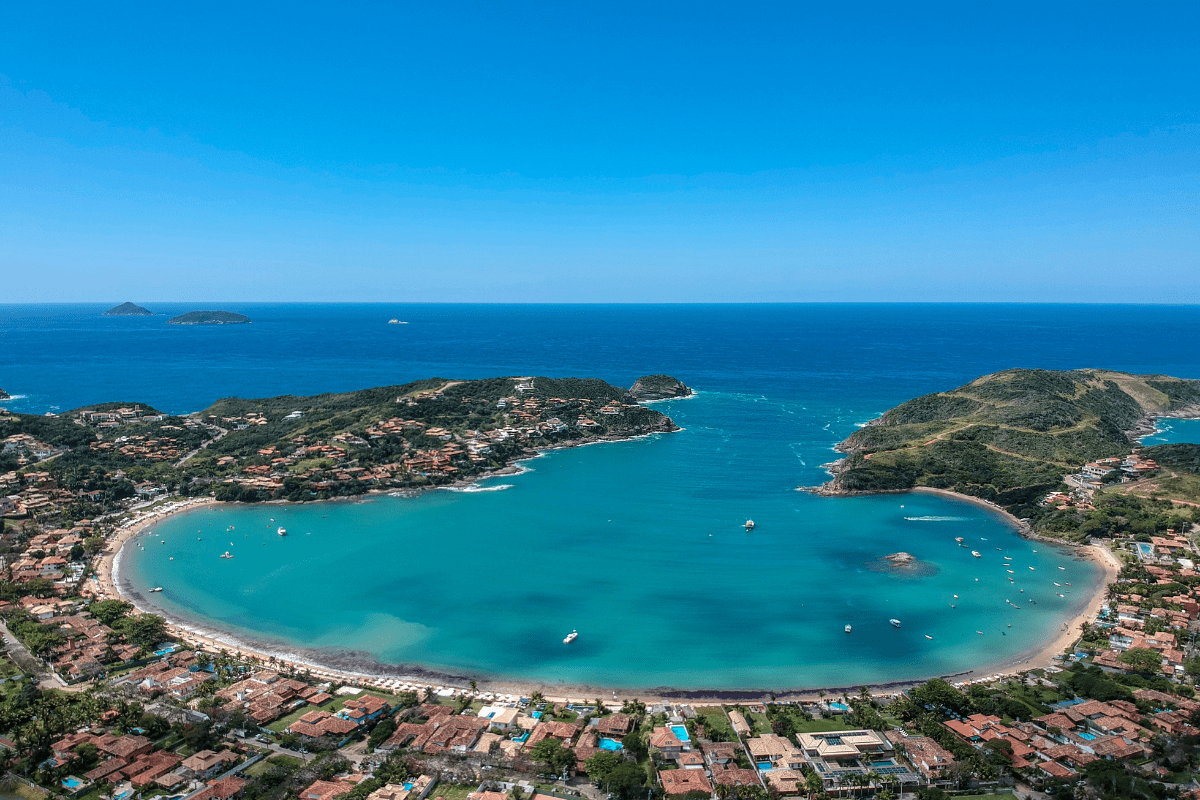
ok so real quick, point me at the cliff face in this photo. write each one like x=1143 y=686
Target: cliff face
x=658 y=387
x=1010 y=436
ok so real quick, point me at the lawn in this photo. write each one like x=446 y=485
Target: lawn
x=714 y=719
x=274 y=761
x=453 y=791
x=836 y=723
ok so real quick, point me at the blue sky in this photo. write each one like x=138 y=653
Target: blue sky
x=600 y=152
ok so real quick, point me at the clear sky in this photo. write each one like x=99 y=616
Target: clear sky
x=600 y=152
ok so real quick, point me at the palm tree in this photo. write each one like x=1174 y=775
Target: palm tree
x=813 y=783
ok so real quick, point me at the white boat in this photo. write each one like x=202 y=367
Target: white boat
x=895 y=623
x=396 y=322
x=927 y=636
x=976 y=553
x=282 y=531
x=1064 y=569
x=847 y=629
x=1008 y=558
x=572 y=636
x=1033 y=567
x=958 y=539
x=749 y=524
x=156 y=589
x=226 y=554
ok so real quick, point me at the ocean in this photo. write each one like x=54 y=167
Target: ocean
x=637 y=545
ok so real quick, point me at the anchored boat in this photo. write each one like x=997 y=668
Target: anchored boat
x=572 y=636
x=895 y=623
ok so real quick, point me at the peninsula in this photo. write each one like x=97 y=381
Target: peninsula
x=128 y=310
x=425 y=434
x=209 y=318
x=1014 y=437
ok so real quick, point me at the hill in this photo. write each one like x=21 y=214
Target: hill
x=659 y=387
x=209 y=318
x=128 y=310
x=1008 y=437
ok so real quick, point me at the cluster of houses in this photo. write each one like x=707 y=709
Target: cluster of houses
x=27 y=449
x=140 y=446
x=1078 y=732
x=1131 y=468
x=47 y=555
x=130 y=763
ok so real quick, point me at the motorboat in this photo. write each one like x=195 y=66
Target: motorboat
x=282 y=531
x=156 y=589
x=572 y=636
x=847 y=629
x=895 y=623
x=749 y=524
x=976 y=554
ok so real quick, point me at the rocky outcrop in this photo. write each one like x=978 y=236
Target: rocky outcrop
x=900 y=559
x=4 y=395
x=128 y=310
x=658 y=387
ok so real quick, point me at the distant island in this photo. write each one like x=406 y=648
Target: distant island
x=128 y=310
x=658 y=387
x=209 y=318
x=1019 y=439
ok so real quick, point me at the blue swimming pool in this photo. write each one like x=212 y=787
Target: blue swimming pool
x=680 y=732
x=1088 y=736
x=839 y=706
x=408 y=784
x=611 y=744
x=1145 y=549
x=764 y=765
x=522 y=737
x=537 y=715
x=72 y=783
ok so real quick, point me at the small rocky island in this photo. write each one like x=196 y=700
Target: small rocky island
x=128 y=310
x=658 y=387
x=209 y=318
x=4 y=395
x=900 y=559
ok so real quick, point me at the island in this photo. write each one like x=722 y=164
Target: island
x=659 y=387
x=128 y=310
x=5 y=395
x=209 y=318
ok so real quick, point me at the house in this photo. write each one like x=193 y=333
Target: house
x=499 y=719
x=206 y=763
x=326 y=790
x=930 y=758
x=667 y=742
x=614 y=726
x=775 y=750
x=682 y=781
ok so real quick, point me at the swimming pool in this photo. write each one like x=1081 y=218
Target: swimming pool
x=680 y=732
x=537 y=715
x=1088 y=736
x=72 y=783
x=611 y=744
x=522 y=737
x=839 y=706
x=408 y=784
x=763 y=766
x=1146 y=550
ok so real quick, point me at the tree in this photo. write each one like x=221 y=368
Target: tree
x=627 y=781
x=143 y=630
x=551 y=752
x=109 y=611
x=813 y=783
x=600 y=766
x=1142 y=659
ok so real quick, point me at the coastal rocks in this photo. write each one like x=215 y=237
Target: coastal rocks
x=128 y=310
x=209 y=318
x=5 y=395
x=903 y=565
x=658 y=387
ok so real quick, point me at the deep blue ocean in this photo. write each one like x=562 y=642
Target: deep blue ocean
x=638 y=545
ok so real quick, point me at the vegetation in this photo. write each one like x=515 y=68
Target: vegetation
x=1007 y=437
x=208 y=318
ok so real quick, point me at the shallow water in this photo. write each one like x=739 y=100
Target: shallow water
x=1174 y=431
x=640 y=546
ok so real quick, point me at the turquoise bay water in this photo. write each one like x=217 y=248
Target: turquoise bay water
x=1174 y=431
x=639 y=545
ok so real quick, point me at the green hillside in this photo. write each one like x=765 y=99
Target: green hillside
x=1008 y=437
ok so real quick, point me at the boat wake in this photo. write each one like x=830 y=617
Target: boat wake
x=938 y=519
x=475 y=488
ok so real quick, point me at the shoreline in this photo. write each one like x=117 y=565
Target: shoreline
x=363 y=669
